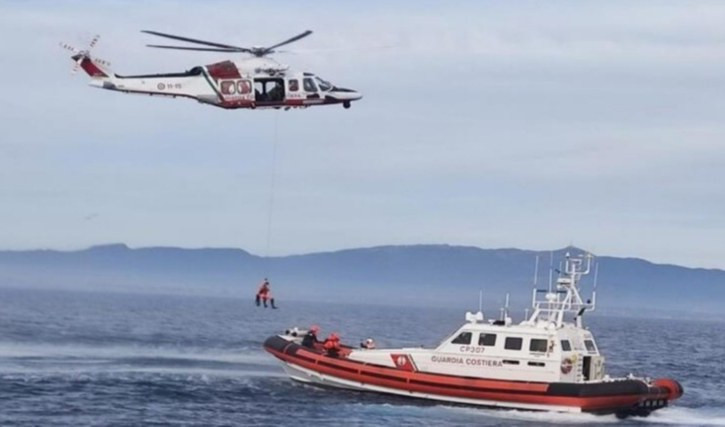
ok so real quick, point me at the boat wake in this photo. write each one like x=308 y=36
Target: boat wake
x=48 y=358
x=539 y=418
x=667 y=416
x=689 y=416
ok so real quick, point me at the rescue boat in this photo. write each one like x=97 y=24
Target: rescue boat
x=547 y=362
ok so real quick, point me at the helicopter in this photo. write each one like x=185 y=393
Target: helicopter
x=255 y=82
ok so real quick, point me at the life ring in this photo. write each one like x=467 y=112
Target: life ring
x=566 y=365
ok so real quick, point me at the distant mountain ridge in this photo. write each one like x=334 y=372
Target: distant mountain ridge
x=415 y=274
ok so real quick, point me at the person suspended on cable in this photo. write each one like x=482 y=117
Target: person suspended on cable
x=332 y=345
x=264 y=294
x=310 y=338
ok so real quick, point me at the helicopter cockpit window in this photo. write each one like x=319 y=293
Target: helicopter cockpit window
x=228 y=87
x=309 y=85
x=323 y=85
x=294 y=85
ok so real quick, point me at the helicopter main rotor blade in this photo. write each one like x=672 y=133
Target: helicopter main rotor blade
x=203 y=49
x=288 y=41
x=190 y=40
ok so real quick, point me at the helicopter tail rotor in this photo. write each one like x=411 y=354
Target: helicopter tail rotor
x=94 y=67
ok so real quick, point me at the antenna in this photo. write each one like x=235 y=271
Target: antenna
x=596 y=276
x=480 y=301
x=536 y=270
x=506 y=306
x=551 y=269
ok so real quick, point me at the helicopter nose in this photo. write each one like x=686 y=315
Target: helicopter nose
x=346 y=94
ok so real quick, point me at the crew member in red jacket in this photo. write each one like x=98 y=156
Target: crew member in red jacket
x=332 y=345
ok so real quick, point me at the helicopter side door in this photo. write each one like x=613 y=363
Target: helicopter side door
x=269 y=91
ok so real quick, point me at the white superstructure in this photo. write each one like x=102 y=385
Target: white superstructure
x=550 y=346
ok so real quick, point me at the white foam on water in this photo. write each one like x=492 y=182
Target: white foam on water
x=532 y=417
x=128 y=373
x=688 y=416
x=538 y=416
x=680 y=416
x=98 y=354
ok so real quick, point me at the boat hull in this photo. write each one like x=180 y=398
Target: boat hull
x=622 y=397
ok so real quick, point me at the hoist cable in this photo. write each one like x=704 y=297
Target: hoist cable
x=272 y=185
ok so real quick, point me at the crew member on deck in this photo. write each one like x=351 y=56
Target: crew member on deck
x=332 y=345
x=264 y=294
x=310 y=338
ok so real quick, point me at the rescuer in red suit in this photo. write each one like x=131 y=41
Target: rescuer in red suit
x=264 y=294
x=332 y=345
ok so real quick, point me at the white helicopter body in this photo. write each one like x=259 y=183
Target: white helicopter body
x=255 y=82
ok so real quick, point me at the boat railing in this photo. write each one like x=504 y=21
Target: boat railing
x=564 y=296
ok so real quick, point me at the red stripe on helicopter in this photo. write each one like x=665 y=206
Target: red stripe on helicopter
x=92 y=69
x=223 y=70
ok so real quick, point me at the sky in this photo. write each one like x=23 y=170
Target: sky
x=494 y=124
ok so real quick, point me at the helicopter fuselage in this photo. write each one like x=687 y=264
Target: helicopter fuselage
x=253 y=83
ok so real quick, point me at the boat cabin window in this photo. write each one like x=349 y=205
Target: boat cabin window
x=487 y=340
x=565 y=345
x=462 y=338
x=590 y=346
x=294 y=85
x=538 y=345
x=323 y=85
x=513 y=343
x=309 y=85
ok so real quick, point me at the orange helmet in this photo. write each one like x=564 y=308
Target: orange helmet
x=314 y=328
x=334 y=336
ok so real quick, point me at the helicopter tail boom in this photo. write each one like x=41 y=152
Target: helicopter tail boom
x=93 y=68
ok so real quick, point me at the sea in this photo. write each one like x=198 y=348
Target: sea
x=72 y=358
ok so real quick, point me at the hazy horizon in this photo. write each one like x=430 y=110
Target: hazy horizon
x=342 y=249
